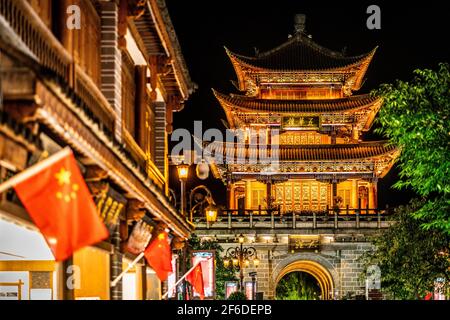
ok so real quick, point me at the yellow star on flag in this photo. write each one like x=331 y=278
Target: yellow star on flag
x=63 y=176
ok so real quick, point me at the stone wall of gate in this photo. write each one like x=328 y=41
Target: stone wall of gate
x=341 y=260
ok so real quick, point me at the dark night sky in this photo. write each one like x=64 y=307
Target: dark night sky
x=410 y=37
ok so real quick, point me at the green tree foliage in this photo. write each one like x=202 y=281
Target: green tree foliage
x=237 y=295
x=410 y=258
x=222 y=274
x=298 y=286
x=416 y=117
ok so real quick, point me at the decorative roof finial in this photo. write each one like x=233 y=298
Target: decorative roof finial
x=299 y=23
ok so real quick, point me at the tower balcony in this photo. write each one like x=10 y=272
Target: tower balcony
x=339 y=221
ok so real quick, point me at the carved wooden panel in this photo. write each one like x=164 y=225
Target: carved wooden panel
x=302 y=196
x=86 y=41
x=41 y=279
x=13 y=153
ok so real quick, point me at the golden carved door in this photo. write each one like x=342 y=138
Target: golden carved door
x=306 y=196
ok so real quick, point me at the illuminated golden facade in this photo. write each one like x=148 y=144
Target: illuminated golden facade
x=107 y=89
x=305 y=91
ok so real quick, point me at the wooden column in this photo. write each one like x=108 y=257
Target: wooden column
x=355 y=133
x=144 y=280
x=169 y=116
x=230 y=196
x=269 y=194
x=333 y=192
x=116 y=260
x=373 y=201
x=333 y=136
x=354 y=194
x=248 y=194
x=67 y=293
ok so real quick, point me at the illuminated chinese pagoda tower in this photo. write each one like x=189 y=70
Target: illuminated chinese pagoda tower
x=307 y=92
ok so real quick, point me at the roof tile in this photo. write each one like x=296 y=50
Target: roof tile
x=293 y=106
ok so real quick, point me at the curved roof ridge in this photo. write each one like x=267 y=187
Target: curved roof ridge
x=297 y=39
x=338 y=145
x=324 y=152
x=244 y=97
x=375 y=143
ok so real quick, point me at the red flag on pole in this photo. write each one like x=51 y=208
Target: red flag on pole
x=59 y=202
x=159 y=256
x=195 y=278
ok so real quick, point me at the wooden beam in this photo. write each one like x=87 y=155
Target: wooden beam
x=29 y=265
x=122 y=27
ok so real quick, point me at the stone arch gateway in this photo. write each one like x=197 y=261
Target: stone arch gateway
x=313 y=264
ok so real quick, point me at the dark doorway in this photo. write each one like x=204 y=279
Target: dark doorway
x=298 y=286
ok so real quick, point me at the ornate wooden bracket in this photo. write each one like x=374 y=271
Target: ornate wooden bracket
x=94 y=177
x=94 y=173
x=136 y=8
x=98 y=188
x=178 y=243
x=128 y=9
x=173 y=104
x=158 y=65
x=135 y=210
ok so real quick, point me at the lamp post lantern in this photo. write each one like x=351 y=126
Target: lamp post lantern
x=240 y=258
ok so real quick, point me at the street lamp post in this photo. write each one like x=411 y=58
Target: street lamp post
x=253 y=276
x=240 y=258
x=183 y=173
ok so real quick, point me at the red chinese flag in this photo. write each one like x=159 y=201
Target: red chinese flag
x=195 y=278
x=60 y=204
x=159 y=256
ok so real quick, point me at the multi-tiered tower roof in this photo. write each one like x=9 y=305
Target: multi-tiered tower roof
x=305 y=91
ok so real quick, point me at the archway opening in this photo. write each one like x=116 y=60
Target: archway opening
x=312 y=274
x=298 y=285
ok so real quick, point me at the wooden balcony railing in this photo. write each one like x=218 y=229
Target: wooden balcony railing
x=94 y=98
x=142 y=160
x=330 y=218
x=36 y=36
x=52 y=55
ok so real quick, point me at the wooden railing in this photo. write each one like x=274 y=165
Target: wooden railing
x=263 y=218
x=52 y=55
x=93 y=97
x=36 y=36
x=139 y=155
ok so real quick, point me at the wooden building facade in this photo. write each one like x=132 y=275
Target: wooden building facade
x=108 y=90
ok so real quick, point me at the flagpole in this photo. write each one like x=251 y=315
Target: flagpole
x=131 y=265
x=181 y=279
x=34 y=169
